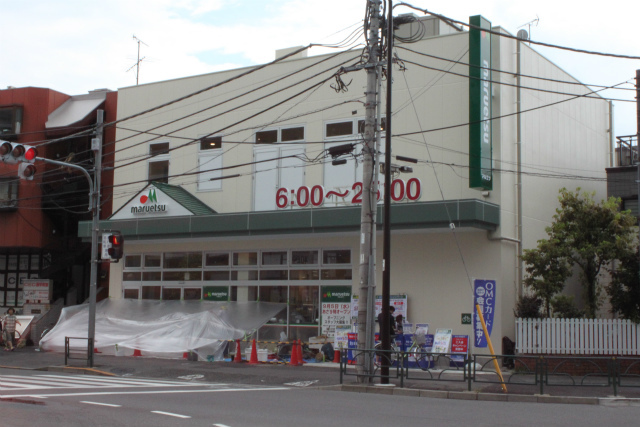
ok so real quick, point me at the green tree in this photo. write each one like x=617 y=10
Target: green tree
x=547 y=270
x=584 y=234
x=624 y=289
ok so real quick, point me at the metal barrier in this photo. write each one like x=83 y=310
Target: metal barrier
x=535 y=371
x=76 y=352
x=376 y=358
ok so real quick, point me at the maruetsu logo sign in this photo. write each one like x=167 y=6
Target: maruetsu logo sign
x=149 y=203
x=337 y=295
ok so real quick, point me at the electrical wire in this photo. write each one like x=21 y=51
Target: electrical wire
x=509 y=36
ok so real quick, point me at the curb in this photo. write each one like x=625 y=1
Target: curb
x=489 y=397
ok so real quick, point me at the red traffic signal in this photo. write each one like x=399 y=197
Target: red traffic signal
x=117 y=246
x=11 y=152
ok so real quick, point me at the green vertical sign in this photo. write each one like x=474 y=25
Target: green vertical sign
x=215 y=293
x=480 y=161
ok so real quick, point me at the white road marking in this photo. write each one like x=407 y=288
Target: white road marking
x=170 y=414
x=302 y=383
x=15 y=382
x=120 y=393
x=220 y=425
x=101 y=404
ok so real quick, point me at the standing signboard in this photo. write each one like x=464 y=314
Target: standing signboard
x=484 y=295
x=459 y=349
x=442 y=341
x=335 y=308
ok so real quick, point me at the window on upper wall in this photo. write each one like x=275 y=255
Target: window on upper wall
x=210 y=163
x=159 y=162
x=280 y=135
x=339 y=129
x=10 y=122
x=8 y=194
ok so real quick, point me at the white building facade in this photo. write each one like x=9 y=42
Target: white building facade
x=230 y=193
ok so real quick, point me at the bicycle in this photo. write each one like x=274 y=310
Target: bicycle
x=416 y=352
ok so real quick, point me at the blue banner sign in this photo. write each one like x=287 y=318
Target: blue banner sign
x=484 y=295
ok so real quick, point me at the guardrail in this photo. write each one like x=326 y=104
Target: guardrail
x=77 y=352
x=539 y=371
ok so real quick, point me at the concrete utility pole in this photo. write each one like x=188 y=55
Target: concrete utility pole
x=369 y=202
x=96 y=147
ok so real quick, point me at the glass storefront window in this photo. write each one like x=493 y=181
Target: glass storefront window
x=152 y=260
x=131 y=276
x=303 y=305
x=151 y=292
x=183 y=260
x=336 y=256
x=131 y=293
x=302 y=332
x=216 y=275
x=245 y=258
x=151 y=276
x=171 y=293
x=192 y=294
x=304 y=257
x=179 y=276
x=274 y=258
x=304 y=275
x=274 y=274
x=243 y=293
x=132 y=261
x=216 y=260
x=336 y=274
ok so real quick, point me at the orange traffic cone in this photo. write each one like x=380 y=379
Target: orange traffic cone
x=238 y=357
x=185 y=355
x=300 y=359
x=136 y=353
x=254 y=354
x=294 y=354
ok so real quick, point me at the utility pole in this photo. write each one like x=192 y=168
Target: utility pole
x=96 y=147
x=366 y=301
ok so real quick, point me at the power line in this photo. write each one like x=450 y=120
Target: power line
x=509 y=36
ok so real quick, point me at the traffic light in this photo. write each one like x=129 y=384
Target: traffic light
x=117 y=246
x=11 y=152
x=26 y=171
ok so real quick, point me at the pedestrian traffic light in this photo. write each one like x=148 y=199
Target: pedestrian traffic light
x=117 y=246
x=26 y=171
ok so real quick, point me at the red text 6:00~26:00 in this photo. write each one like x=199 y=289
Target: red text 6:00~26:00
x=316 y=195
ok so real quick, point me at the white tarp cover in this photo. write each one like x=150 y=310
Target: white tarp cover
x=161 y=328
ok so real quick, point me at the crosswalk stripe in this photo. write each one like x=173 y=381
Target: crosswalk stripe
x=45 y=381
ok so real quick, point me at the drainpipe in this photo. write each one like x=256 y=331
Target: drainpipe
x=520 y=268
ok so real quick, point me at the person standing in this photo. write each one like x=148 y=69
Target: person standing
x=9 y=329
x=392 y=321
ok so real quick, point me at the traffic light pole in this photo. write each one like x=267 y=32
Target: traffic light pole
x=94 y=208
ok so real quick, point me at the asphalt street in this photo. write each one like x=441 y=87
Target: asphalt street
x=310 y=375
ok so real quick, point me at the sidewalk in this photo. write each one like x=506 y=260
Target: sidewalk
x=325 y=375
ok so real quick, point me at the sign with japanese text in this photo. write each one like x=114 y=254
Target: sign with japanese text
x=442 y=341
x=335 y=308
x=36 y=291
x=484 y=296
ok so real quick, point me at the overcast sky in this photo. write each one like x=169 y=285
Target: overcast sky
x=74 y=46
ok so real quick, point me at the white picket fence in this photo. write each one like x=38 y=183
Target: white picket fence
x=577 y=336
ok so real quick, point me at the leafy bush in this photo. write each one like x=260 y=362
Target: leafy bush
x=528 y=307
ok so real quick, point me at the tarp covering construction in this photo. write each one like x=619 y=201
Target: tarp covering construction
x=162 y=328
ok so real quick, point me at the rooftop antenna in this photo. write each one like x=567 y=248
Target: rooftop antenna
x=137 y=64
x=533 y=22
